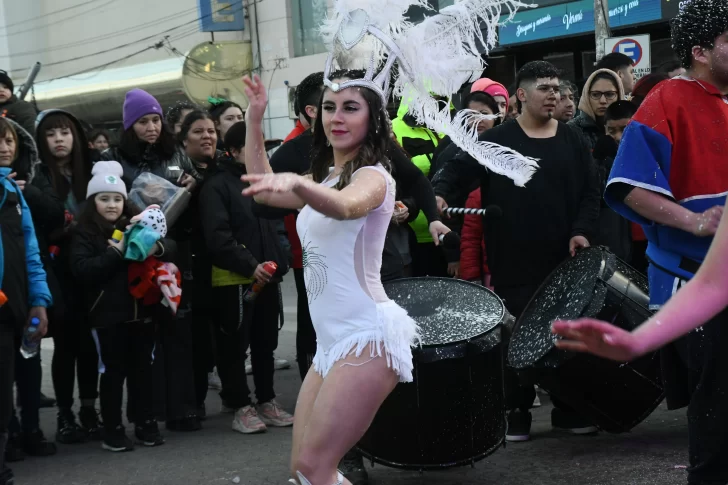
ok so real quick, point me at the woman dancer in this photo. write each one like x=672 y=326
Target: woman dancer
x=363 y=338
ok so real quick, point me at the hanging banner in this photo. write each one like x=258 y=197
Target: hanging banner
x=637 y=47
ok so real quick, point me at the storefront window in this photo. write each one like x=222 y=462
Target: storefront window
x=306 y=17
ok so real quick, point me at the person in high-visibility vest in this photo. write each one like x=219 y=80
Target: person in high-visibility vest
x=420 y=143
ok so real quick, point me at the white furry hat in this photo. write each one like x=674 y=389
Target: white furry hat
x=106 y=177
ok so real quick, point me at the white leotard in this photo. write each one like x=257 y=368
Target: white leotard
x=348 y=305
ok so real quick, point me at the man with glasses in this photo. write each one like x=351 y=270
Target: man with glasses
x=542 y=223
x=603 y=88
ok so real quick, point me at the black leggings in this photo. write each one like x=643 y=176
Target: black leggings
x=126 y=354
x=305 y=333
x=74 y=355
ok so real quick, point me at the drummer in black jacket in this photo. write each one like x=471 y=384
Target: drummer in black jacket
x=239 y=244
x=544 y=222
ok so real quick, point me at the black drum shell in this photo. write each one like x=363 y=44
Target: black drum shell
x=452 y=414
x=614 y=396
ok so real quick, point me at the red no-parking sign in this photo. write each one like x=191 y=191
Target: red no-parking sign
x=637 y=47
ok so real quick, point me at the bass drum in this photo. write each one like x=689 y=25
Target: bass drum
x=596 y=284
x=453 y=413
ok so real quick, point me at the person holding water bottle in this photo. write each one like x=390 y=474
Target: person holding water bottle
x=24 y=294
x=122 y=327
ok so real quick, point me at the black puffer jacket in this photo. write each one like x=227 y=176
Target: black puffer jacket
x=103 y=275
x=151 y=161
x=21 y=112
x=588 y=129
x=237 y=240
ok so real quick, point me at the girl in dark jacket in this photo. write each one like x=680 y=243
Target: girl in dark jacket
x=66 y=166
x=123 y=328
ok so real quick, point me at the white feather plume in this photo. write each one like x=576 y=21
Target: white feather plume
x=436 y=56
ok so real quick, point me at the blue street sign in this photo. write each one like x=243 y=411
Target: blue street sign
x=221 y=15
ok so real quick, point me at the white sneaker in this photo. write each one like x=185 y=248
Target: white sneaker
x=536 y=402
x=281 y=364
x=246 y=421
x=272 y=414
x=213 y=380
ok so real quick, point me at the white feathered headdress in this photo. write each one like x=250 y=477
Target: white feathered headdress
x=434 y=57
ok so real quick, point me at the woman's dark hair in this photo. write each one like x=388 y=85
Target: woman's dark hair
x=132 y=148
x=7 y=127
x=97 y=133
x=174 y=114
x=235 y=137
x=646 y=84
x=486 y=99
x=373 y=149
x=92 y=222
x=216 y=109
x=190 y=119
x=80 y=160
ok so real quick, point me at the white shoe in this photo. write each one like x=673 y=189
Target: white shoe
x=272 y=414
x=536 y=402
x=281 y=364
x=213 y=380
x=246 y=421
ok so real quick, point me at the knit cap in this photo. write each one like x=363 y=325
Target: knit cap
x=106 y=177
x=138 y=103
x=488 y=86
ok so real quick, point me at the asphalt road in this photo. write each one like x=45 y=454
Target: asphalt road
x=655 y=452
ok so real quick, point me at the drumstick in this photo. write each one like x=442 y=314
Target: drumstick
x=490 y=211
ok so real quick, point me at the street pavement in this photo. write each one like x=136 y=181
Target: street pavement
x=655 y=452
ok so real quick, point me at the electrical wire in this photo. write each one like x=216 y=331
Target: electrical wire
x=10 y=34
x=106 y=51
x=100 y=68
x=91 y=40
x=55 y=12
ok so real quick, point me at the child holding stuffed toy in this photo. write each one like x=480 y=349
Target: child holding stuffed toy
x=123 y=325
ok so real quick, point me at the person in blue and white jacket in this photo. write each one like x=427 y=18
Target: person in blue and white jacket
x=25 y=293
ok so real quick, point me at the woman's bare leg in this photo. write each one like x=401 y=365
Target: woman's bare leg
x=345 y=406
x=304 y=407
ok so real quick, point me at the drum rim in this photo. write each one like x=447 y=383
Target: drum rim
x=463 y=282
x=519 y=321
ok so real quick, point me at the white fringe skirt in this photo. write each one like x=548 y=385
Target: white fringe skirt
x=393 y=335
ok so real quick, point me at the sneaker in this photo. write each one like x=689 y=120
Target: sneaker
x=189 y=423
x=14 y=449
x=246 y=421
x=249 y=369
x=352 y=466
x=89 y=420
x=68 y=431
x=148 y=434
x=116 y=440
x=6 y=476
x=272 y=414
x=47 y=402
x=519 y=426
x=213 y=380
x=36 y=444
x=536 y=402
x=281 y=364
x=571 y=422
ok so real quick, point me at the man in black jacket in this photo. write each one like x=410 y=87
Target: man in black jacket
x=542 y=224
x=239 y=244
x=13 y=108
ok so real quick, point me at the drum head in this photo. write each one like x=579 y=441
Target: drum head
x=447 y=310
x=567 y=293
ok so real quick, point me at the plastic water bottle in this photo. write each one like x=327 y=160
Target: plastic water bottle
x=252 y=292
x=30 y=348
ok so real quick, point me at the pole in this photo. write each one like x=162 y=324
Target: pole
x=601 y=27
x=29 y=81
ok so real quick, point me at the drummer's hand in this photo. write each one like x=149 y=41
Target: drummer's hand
x=577 y=242
x=441 y=206
x=596 y=337
x=437 y=228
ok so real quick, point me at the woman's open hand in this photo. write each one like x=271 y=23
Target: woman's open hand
x=257 y=99
x=271 y=182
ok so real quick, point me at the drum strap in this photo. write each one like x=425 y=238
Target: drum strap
x=685 y=264
x=304 y=481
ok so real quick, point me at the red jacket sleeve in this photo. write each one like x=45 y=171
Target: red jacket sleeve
x=471 y=239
